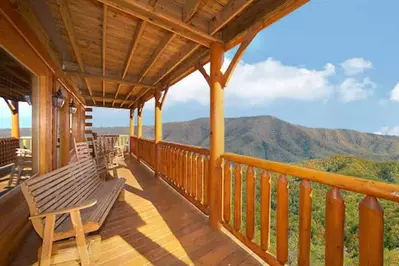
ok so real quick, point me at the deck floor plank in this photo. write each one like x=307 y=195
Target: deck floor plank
x=154 y=226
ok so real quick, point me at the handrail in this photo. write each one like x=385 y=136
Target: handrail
x=190 y=148
x=147 y=140
x=260 y=174
x=350 y=183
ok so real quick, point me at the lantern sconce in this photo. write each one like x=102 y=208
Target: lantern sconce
x=72 y=107
x=58 y=99
x=28 y=99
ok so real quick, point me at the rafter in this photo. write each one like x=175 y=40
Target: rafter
x=105 y=15
x=66 y=17
x=136 y=38
x=101 y=98
x=128 y=96
x=189 y=9
x=227 y=13
x=139 y=96
x=159 y=18
x=108 y=78
x=238 y=55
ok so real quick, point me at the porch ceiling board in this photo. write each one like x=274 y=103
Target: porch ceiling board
x=150 y=44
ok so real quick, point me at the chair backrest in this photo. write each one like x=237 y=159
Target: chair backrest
x=82 y=150
x=61 y=188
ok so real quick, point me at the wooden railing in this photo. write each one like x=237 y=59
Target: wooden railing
x=25 y=143
x=133 y=145
x=146 y=151
x=255 y=176
x=8 y=150
x=186 y=168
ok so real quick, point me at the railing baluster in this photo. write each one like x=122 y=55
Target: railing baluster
x=194 y=176
x=371 y=232
x=265 y=210
x=206 y=178
x=282 y=220
x=199 y=178
x=185 y=171
x=227 y=192
x=305 y=222
x=189 y=172
x=335 y=221
x=237 y=197
x=250 y=214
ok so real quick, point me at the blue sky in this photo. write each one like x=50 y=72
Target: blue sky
x=331 y=64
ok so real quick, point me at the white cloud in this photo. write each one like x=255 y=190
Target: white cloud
x=355 y=66
x=393 y=131
x=395 y=93
x=352 y=89
x=259 y=83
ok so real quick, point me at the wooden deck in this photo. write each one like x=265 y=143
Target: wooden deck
x=155 y=226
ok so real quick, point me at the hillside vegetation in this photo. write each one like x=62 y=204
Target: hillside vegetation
x=270 y=138
x=347 y=165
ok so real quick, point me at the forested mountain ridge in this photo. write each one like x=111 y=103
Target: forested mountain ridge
x=270 y=138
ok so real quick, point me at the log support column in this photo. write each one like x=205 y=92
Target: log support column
x=216 y=134
x=131 y=125
x=139 y=127
x=15 y=120
x=158 y=128
x=65 y=136
x=42 y=124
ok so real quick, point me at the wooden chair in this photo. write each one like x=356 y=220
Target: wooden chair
x=70 y=202
x=82 y=150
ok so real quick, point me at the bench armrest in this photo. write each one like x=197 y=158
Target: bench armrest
x=83 y=205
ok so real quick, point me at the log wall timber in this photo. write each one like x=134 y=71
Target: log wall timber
x=14 y=224
x=22 y=42
x=65 y=136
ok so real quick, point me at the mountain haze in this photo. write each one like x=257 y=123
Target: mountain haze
x=270 y=138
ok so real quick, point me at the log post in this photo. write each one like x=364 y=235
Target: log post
x=131 y=125
x=371 y=232
x=65 y=136
x=335 y=223
x=15 y=120
x=216 y=134
x=158 y=130
x=139 y=127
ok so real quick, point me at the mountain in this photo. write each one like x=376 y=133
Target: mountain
x=270 y=138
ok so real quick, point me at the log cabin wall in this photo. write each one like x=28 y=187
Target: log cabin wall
x=22 y=43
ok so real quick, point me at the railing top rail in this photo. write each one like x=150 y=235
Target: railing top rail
x=349 y=183
x=147 y=140
x=189 y=148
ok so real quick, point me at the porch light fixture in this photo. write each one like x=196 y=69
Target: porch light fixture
x=28 y=99
x=58 y=99
x=72 y=107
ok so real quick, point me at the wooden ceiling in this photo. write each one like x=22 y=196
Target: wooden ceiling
x=15 y=80
x=120 y=51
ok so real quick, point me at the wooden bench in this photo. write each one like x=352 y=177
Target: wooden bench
x=70 y=202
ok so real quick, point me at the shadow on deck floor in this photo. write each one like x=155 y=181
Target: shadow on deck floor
x=154 y=226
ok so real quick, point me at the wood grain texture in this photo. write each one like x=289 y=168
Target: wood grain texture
x=156 y=226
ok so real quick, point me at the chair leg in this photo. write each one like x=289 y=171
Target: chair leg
x=122 y=195
x=80 y=238
x=48 y=236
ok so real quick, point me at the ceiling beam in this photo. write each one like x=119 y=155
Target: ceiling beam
x=232 y=9
x=16 y=74
x=108 y=78
x=189 y=9
x=158 y=17
x=107 y=98
x=155 y=55
x=261 y=14
x=104 y=45
x=66 y=18
x=136 y=38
